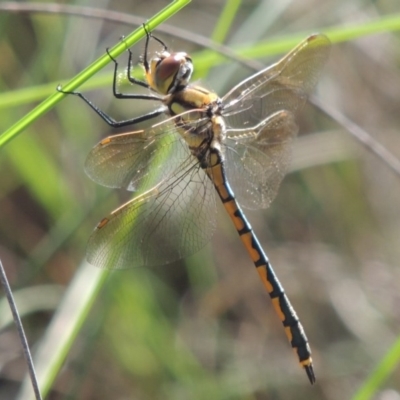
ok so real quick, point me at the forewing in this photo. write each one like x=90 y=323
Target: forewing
x=282 y=86
x=137 y=160
x=171 y=221
x=258 y=159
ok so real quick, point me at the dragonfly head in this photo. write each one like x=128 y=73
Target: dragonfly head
x=169 y=72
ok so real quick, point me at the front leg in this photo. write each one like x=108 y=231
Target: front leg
x=111 y=121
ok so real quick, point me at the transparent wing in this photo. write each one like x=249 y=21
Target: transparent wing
x=282 y=86
x=258 y=159
x=137 y=160
x=169 y=222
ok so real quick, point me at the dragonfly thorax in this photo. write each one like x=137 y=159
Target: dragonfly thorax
x=204 y=139
x=193 y=98
x=169 y=72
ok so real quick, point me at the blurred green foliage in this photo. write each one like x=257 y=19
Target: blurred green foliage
x=204 y=328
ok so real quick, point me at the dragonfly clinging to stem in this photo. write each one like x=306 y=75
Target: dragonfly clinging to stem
x=236 y=146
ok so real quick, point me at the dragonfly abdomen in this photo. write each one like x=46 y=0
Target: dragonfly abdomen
x=293 y=328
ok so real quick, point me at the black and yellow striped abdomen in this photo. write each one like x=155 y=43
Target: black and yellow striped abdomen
x=293 y=328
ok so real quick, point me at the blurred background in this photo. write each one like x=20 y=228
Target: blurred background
x=203 y=327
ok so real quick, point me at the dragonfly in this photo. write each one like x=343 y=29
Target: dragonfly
x=235 y=148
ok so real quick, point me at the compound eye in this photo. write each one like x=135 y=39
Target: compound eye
x=169 y=72
x=166 y=68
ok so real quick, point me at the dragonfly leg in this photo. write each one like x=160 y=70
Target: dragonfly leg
x=146 y=48
x=131 y=79
x=108 y=119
